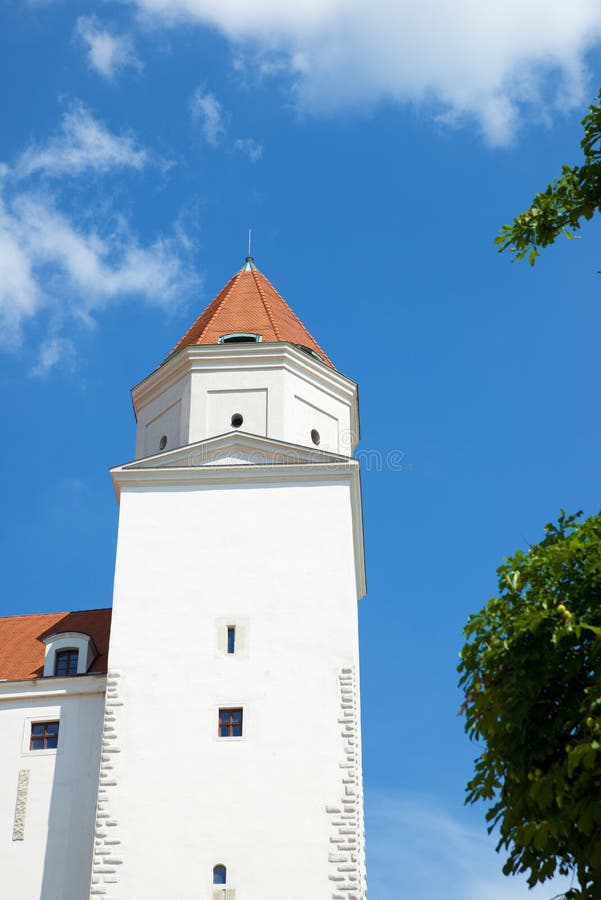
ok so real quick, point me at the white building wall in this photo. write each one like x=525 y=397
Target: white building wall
x=278 y=560
x=273 y=403
x=166 y=415
x=277 y=390
x=48 y=798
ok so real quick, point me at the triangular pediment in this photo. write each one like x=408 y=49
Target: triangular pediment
x=242 y=460
x=237 y=449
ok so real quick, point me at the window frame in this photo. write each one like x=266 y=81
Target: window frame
x=42 y=716
x=220 y=866
x=243 y=637
x=44 y=737
x=310 y=352
x=234 y=337
x=230 y=723
x=69 y=640
x=231 y=640
x=61 y=654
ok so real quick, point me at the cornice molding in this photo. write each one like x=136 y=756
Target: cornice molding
x=38 y=688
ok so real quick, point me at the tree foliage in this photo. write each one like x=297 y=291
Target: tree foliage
x=575 y=196
x=530 y=672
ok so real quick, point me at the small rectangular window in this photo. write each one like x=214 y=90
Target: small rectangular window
x=231 y=639
x=66 y=662
x=230 y=722
x=44 y=736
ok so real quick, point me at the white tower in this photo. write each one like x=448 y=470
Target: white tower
x=231 y=758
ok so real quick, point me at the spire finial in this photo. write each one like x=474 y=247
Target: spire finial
x=249 y=259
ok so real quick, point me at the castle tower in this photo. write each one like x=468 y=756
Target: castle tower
x=231 y=756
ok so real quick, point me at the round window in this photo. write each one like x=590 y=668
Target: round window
x=237 y=420
x=315 y=436
x=163 y=442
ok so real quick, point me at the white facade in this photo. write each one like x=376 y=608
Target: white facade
x=48 y=797
x=239 y=567
x=260 y=533
x=279 y=390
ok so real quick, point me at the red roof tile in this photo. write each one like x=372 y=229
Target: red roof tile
x=21 y=648
x=249 y=303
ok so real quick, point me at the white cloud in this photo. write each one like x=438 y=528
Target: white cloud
x=48 y=263
x=250 y=147
x=418 y=849
x=108 y=52
x=83 y=145
x=20 y=295
x=62 y=266
x=490 y=61
x=99 y=268
x=208 y=112
x=54 y=351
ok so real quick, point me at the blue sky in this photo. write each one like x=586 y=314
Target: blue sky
x=375 y=150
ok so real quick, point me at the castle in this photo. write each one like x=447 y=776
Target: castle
x=205 y=743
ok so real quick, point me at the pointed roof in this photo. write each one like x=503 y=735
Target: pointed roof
x=249 y=303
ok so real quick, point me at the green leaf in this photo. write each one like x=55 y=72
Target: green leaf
x=573 y=197
x=530 y=672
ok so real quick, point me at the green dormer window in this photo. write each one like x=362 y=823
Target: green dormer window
x=309 y=351
x=240 y=337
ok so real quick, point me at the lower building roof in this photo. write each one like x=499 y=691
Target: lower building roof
x=22 y=647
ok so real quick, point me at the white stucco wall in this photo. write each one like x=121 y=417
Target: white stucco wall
x=280 y=392
x=166 y=414
x=52 y=860
x=278 y=559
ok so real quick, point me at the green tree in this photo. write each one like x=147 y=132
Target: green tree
x=575 y=196
x=531 y=674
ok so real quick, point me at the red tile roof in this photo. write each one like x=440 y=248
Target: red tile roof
x=249 y=303
x=21 y=648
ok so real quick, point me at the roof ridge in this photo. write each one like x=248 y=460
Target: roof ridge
x=294 y=316
x=60 y=612
x=265 y=303
x=218 y=301
x=227 y=290
x=32 y=615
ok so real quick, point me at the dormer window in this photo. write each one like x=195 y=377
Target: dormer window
x=65 y=662
x=68 y=653
x=309 y=351
x=240 y=337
